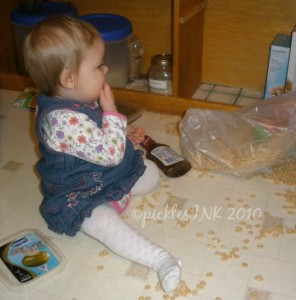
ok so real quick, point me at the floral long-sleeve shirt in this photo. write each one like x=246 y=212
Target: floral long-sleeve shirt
x=76 y=134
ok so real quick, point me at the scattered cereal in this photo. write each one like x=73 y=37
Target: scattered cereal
x=258 y=277
x=199 y=235
x=171 y=128
x=238 y=228
x=183 y=290
x=211 y=246
x=201 y=285
x=282 y=172
x=104 y=253
x=244 y=265
x=260 y=246
x=158 y=287
x=100 y=267
x=182 y=223
x=209 y=274
x=254 y=295
x=225 y=256
x=194 y=292
x=147 y=286
x=215 y=239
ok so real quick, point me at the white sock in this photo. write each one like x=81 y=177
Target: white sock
x=169 y=272
x=106 y=226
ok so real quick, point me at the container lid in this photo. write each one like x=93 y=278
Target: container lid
x=27 y=259
x=45 y=10
x=111 y=27
x=162 y=59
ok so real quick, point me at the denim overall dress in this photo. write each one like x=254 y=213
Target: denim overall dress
x=73 y=187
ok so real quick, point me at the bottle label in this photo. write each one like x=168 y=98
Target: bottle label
x=158 y=84
x=166 y=155
x=147 y=142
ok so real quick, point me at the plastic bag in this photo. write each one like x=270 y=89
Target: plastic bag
x=240 y=142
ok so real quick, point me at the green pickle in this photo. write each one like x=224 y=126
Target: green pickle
x=35 y=260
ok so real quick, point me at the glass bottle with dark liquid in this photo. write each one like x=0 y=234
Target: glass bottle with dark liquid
x=169 y=161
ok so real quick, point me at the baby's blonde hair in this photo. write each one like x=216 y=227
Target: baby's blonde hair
x=56 y=43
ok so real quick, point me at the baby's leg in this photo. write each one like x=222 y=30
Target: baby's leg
x=148 y=181
x=106 y=226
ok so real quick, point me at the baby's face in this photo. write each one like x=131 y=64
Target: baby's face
x=91 y=74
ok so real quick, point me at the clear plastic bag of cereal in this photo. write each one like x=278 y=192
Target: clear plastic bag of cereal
x=243 y=141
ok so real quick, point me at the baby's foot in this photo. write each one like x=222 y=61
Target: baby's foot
x=170 y=274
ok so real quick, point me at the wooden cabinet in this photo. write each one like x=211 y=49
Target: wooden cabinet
x=188 y=26
x=217 y=41
x=178 y=29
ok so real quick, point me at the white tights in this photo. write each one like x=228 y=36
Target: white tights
x=106 y=226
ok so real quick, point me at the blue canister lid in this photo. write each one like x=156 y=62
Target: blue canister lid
x=110 y=26
x=45 y=10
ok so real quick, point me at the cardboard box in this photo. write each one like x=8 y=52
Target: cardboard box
x=278 y=66
x=291 y=75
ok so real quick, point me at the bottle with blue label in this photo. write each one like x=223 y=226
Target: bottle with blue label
x=168 y=160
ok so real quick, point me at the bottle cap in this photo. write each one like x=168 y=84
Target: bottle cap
x=162 y=59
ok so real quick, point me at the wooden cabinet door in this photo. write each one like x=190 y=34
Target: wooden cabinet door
x=188 y=20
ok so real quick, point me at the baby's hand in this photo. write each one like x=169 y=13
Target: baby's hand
x=106 y=101
x=135 y=134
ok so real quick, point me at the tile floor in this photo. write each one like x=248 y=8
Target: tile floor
x=235 y=236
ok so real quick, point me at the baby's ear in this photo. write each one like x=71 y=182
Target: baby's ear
x=67 y=78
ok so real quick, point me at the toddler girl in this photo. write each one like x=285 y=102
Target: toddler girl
x=87 y=161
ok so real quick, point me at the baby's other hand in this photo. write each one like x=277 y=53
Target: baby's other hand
x=107 y=101
x=135 y=134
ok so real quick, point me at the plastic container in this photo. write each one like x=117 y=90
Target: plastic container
x=116 y=31
x=23 y=23
x=27 y=259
